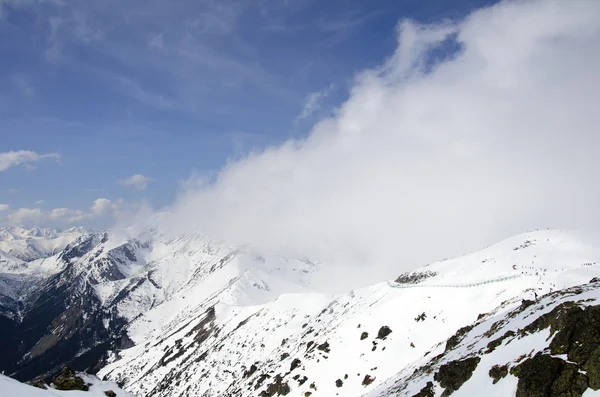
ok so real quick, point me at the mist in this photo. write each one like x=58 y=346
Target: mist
x=430 y=157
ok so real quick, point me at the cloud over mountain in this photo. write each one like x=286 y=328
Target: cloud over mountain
x=470 y=131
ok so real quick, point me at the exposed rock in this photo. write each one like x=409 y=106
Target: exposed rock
x=546 y=376
x=67 y=380
x=250 y=371
x=277 y=388
x=427 y=391
x=339 y=383
x=295 y=364
x=324 y=347
x=39 y=383
x=364 y=335
x=421 y=317
x=367 y=380
x=452 y=375
x=383 y=332
x=455 y=339
x=497 y=342
x=498 y=372
x=414 y=277
x=110 y=393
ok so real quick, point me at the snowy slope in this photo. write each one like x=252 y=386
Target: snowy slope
x=189 y=316
x=12 y=388
x=76 y=304
x=543 y=347
x=29 y=244
x=229 y=331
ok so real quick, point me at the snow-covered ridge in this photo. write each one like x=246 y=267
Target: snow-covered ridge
x=27 y=244
x=187 y=316
x=545 y=346
x=204 y=343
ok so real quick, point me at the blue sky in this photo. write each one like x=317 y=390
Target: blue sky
x=166 y=89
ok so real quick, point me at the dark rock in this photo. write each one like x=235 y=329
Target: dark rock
x=414 y=277
x=455 y=339
x=383 y=332
x=546 y=376
x=452 y=375
x=498 y=372
x=110 y=393
x=421 y=317
x=497 y=342
x=250 y=371
x=367 y=380
x=277 y=388
x=67 y=380
x=324 y=347
x=526 y=303
x=39 y=383
x=261 y=380
x=364 y=335
x=427 y=391
x=295 y=364
x=339 y=383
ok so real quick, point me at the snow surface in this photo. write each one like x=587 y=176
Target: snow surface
x=28 y=244
x=512 y=351
x=268 y=310
x=202 y=313
x=13 y=388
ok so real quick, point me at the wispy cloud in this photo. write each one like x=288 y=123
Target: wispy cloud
x=24 y=84
x=313 y=102
x=23 y=157
x=138 y=182
x=4 y=207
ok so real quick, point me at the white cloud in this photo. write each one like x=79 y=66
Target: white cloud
x=137 y=181
x=67 y=215
x=422 y=163
x=39 y=202
x=102 y=210
x=23 y=157
x=25 y=215
x=313 y=102
x=102 y=206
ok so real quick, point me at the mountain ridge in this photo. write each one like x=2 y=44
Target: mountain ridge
x=166 y=315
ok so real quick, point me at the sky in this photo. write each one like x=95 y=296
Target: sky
x=367 y=131
x=106 y=92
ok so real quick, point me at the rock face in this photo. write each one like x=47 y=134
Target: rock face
x=62 y=322
x=67 y=380
x=546 y=376
x=452 y=375
x=560 y=340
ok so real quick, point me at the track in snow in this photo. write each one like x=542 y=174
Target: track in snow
x=497 y=280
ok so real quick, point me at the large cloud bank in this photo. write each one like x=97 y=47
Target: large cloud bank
x=427 y=160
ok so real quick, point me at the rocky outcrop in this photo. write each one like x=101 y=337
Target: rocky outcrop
x=452 y=375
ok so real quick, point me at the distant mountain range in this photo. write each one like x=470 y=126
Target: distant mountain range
x=184 y=315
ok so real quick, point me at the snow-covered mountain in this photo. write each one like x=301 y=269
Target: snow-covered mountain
x=28 y=244
x=166 y=315
x=544 y=347
x=26 y=259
